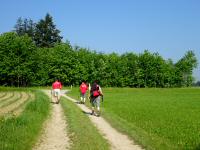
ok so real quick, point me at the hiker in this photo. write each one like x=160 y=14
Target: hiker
x=56 y=86
x=83 y=90
x=95 y=97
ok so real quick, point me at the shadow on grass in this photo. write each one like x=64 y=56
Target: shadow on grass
x=54 y=102
x=197 y=147
x=78 y=102
x=87 y=113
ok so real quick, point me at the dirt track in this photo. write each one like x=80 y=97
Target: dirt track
x=54 y=136
x=117 y=140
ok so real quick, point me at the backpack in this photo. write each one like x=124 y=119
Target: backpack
x=95 y=90
x=95 y=93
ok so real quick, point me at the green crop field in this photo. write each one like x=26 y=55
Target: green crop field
x=155 y=118
x=14 y=102
x=22 y=114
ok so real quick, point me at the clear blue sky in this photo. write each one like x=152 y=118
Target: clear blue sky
x=169 y=27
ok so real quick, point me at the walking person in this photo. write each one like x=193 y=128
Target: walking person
x=83 y=90
x=95 y=97
x=56 y=86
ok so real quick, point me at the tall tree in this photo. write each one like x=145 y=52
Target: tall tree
x=46 y=34
x=25 y=26
x=184 y=68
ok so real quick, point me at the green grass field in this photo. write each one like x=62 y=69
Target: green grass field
x=155 y=118
x=21 y=132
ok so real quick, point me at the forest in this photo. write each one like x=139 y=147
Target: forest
x=33 y=54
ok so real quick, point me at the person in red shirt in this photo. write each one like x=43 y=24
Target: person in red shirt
x=56 y=86
x=83 y=90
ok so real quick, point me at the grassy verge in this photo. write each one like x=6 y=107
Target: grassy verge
x=155 y=118
x=20 y=133
x=83 y=133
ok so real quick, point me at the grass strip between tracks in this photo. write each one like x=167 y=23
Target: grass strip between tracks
x=83 y=133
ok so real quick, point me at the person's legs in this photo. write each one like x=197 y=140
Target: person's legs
x=54 y=96
x=96 y=103
x=81 y=98
x=92 y=111
x=98 y=99
x=58 y=98
x=93 y=102
x=84 y=97
x=57 y=95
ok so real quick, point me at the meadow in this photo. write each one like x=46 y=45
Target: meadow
x=21 y=118
x=155 y=118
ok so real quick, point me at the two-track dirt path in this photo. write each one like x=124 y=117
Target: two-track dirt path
x=54 y=136
x=117 y=140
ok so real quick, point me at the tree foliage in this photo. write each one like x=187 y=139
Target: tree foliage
x=46 y=34
x=16 y=53
x=34 y=55
x=43 y=33
x=184 y=68
x=25 y=26
x=24 y=64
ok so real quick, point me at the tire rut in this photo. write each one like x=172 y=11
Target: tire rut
x=117 y=140
x=54 y=135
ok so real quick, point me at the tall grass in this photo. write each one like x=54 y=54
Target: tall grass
x=20 y=133
x=83 y=134
x=156 y=118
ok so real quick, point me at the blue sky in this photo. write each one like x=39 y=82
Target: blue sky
x=169 y=27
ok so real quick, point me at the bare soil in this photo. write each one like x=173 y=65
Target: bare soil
x=54 y=135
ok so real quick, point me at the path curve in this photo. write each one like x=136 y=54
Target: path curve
x=117 y=140
x=54 y=136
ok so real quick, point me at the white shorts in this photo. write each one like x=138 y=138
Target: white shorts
x=56 y=92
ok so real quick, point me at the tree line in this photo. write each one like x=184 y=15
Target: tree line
x=34 y=55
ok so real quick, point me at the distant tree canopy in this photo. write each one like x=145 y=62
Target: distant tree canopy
x=197 y=83
x=25 y=26
x=43 y=33
x=25 y=61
